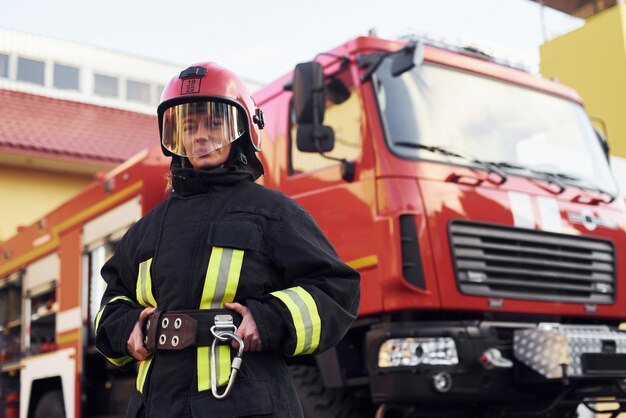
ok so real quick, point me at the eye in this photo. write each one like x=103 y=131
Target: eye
x=189 y=127
x=215 y=124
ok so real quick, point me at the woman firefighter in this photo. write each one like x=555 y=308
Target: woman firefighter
x=213 y=287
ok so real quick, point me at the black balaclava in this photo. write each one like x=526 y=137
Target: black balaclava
x=242 y=163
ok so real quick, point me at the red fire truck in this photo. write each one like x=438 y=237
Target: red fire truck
x=475 y=199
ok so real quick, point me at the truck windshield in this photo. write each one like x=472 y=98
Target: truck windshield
x=491 y=120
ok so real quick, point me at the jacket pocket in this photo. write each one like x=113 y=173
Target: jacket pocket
x=134 y=404
x=249 y=397
x=238 y=234
x=254 y=211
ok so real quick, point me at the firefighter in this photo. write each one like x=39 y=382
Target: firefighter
x=218 y=283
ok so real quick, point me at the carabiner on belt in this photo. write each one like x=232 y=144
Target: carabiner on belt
x=224 y=330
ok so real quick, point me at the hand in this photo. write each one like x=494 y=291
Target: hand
x=135 y=341
x=247 y=331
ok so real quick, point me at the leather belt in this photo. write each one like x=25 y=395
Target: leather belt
x=177 y=330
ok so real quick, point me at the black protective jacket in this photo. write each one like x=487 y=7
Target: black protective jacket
x=220 y=238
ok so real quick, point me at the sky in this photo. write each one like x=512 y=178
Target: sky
x=261 y=40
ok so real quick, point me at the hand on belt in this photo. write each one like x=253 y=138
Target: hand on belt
x=177 y=330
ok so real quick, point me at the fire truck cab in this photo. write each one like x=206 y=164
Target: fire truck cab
x=479 y=206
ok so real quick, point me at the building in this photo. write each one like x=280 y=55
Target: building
x=592 y=59
x=69 y=111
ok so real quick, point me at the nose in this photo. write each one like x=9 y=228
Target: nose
x=202 y=133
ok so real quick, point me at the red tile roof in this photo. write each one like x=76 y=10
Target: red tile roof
x=65 y=129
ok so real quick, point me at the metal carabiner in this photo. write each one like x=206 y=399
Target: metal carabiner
x=234 y=367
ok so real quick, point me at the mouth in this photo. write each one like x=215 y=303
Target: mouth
x=200 y=148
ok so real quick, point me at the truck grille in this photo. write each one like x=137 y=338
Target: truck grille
x=499 y=261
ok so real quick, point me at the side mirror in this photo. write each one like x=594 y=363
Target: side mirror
x=407 y=58
x=308 y=91
x=337 y=91
x=312 y=138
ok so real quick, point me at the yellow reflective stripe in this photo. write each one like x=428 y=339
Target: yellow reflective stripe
x=98 y=316
x=144 y=366
x=140 y=285
x=144 y=285
x=220 y=286
x=151 y=301
x=204 y=374
x=233 y=277
x=305 y=316
x=145 y=299
x=222 y=362
x=101 y=311
x=316 y=321
x=120 y=361
x=210 y=280
x=296 y=317
x=208 y=290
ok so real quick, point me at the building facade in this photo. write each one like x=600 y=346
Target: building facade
x=69 y=111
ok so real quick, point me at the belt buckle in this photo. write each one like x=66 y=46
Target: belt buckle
x=223 y=324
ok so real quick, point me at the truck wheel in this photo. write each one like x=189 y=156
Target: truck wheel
x=319 y=401
x=50 y=405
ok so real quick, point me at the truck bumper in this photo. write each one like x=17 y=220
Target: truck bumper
x=587 y=362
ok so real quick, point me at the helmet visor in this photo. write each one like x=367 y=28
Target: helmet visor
x=196 y=129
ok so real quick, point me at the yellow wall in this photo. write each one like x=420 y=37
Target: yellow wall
x=592 y=60
x=29 y=194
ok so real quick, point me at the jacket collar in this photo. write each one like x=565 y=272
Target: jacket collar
x=190 y=182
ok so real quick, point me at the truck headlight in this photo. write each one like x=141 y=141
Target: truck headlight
x=414 y=351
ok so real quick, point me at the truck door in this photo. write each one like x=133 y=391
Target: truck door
x=344 y=209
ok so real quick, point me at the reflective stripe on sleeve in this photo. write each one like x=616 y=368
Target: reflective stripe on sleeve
x=306 y=318
x=144 y=285
x=101 y=311
x=220 y=286
x=119 y=362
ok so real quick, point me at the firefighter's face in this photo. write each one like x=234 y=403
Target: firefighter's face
x=201 y=134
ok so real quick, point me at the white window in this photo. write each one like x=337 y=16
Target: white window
x=105 y=85
x=30 y=71
x=4 y=66
x=65 y=77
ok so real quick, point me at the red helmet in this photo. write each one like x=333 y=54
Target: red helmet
x=207 y=96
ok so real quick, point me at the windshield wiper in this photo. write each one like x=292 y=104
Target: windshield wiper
x=435 y=149
x=579 y=182
x=549 y=177
x=561 y=180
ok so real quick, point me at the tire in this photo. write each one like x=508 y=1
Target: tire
x=50 y=405
x=319 y=401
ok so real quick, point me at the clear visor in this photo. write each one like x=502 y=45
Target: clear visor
x=196 y=129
